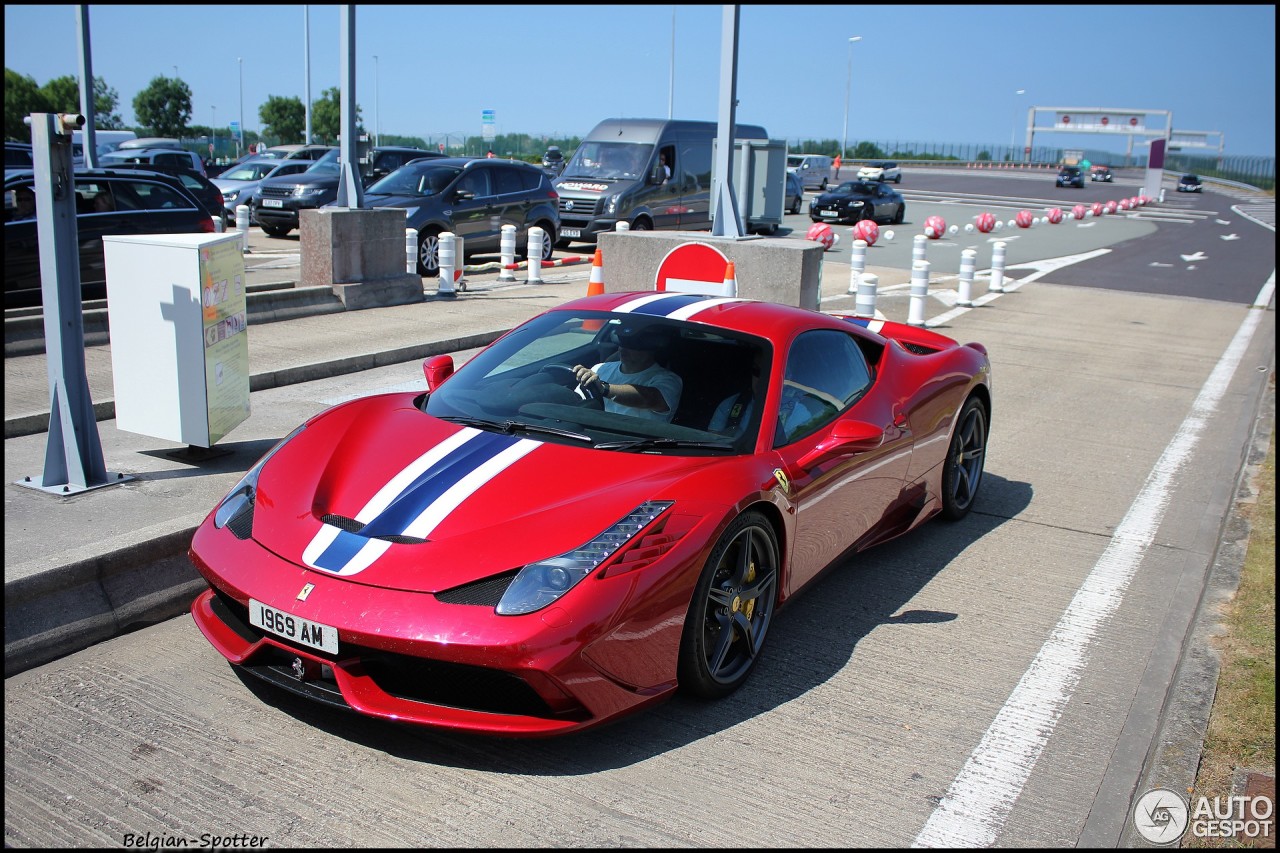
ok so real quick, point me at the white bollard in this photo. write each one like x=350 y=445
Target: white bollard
x=968 y=260
x=507 y=246
x=219 y=227
x=997 y=268
x=857 y=264
x=447 y=250
x=1162 y=195
x=919 y=292
x=919 y=246
x=622 y=226
x=536 y=236
x=865 y=304
x=411 y=250
x=242 y=225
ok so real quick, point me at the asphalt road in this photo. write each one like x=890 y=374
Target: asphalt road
x=880 y=691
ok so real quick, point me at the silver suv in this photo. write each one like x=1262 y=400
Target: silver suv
x=172 y=158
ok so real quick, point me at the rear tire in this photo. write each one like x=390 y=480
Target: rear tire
x=962 y=472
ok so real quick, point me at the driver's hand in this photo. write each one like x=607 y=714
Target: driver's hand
x=586 y=376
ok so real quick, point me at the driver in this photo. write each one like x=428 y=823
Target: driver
x=635 y=384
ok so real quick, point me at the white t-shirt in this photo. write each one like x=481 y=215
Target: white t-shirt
x=653 y=376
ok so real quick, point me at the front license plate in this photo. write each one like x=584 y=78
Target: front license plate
x=272 y=202
x=294 y=628
x=830 y=214
x=570 y=232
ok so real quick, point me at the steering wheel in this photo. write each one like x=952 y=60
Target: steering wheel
x=563 y=374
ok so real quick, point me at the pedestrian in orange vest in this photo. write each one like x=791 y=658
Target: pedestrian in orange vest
x=837 y=164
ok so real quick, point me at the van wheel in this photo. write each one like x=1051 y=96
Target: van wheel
x=824 y=185
x=642 y=225
x=429 y=253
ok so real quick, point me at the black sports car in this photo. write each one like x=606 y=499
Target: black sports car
x=1071 y=176
x=854 y=201
x=1189 y=184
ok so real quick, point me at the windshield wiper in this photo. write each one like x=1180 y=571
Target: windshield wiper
x=511 y=427
x=664 y=443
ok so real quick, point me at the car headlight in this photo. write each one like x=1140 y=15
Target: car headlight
x=541 y=583
x=611 y=206
x=855 y=204
x=304 y=191
x=230 y=195
x=242 y=496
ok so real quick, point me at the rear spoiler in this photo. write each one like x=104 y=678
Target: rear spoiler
x=914 y=339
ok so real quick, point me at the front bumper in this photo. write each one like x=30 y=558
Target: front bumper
x=415 y=657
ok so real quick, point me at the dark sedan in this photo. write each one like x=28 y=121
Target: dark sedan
x=1071 y=176
x=108 y=201
x=1189 y=184
x=854 y=201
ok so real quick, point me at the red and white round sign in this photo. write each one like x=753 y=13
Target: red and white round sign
x=1105 y=121
x=693 y=268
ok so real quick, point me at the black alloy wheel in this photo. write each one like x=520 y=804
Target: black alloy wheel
x=731 y=610
x=429 y=253
x=962 y=474
x=901 y=215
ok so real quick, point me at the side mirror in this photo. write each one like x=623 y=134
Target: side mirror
x=845 y=437
x=437 y=369
x=463 y=195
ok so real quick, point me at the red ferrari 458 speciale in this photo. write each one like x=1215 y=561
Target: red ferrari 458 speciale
x=608 y=503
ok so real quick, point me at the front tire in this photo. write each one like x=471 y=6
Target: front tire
x=276 y=230
x=901 y=215
x=962 y=474
x=429 y=253
x=731 y=610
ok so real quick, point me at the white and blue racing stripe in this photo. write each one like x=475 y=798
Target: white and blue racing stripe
x=417 y=499
x=867 y=323
x=677 y=306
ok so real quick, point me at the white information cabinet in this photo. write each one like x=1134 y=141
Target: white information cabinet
x=179 y=335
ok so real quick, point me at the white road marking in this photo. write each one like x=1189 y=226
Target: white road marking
x=976 y=806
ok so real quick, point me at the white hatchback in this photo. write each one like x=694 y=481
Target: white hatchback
x=881 y=171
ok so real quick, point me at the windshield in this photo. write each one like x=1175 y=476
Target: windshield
x=326 y=165
x=709 y=382
x=417 y=180
x=794 y=161
x=247 y=172
x=610 y=160
x=856 y=188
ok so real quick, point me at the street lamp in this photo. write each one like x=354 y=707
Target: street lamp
x=240 y=62
x=377 y=122
x=1013 y=128
x=848 y=93
x=213 y=144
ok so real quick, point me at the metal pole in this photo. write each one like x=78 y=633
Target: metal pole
x=350 y=190
x=671 y=91
x=87 y=106
x=848 y=94
x=725 y=221
x=1013 y=126
x=377 y=120
x=306 y=68
x=240 y=141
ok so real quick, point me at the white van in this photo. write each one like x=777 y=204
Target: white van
x=105 y=140
x=813 y=170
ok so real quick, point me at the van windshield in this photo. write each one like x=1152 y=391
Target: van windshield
x=794 y=161
x=610 y=161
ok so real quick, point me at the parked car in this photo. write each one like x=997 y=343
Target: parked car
x=17 y=158
x=169 y=157
x=281 y=199
x=881 y=170
x=1189 y=184
x=794 y=200
x=297 y=152
x=473 y=198
x=1100 y=173
x=239 y=183
x=206 y=191
x=150 y=142
x=108 y=201
x=1071 y=176
x=385 y=159
x=814 y=170
x=854 y=201
x=508 y=553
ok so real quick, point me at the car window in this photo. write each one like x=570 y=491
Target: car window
x=146 y=195
x=826 y=373
x=476 y=182
x=507 y=180
x=530 y=179
x=17 y=156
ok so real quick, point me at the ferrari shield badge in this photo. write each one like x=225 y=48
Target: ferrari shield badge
x=783 y=482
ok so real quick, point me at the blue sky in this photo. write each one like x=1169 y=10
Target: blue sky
x=920 y=73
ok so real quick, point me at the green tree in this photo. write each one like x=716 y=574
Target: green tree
x=64 y=95
x=868 y=151
x=22 y=97
x=164 y=107
x=284 y=118
x=326 y=116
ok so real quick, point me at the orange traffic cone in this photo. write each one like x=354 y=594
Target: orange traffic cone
x=730 y=280
x=595 y=287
